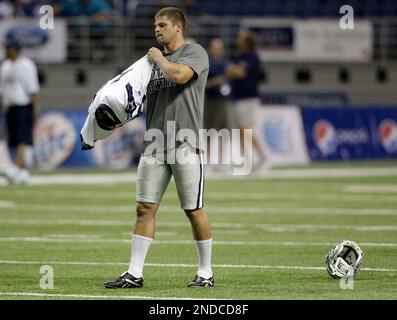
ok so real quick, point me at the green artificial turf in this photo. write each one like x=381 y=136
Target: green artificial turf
x=270 y=239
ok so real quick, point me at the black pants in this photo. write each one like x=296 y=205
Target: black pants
x=20 y=125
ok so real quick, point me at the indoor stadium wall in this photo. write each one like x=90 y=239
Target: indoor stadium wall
x=363 y=84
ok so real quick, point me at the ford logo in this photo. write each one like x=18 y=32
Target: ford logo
x=27 y=36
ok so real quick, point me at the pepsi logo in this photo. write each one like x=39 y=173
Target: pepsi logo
x=324 y=136
x=54 y=140
x=388 y=135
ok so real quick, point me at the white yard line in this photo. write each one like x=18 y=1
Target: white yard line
x=212 y=209
x=73 y=236
x=236 y=196
x=84 y=296
x=327 y=173
x=187 y=242
x=158 y=233
x=7 y=204
x=178 y=265
x=371 y=188
x=216 y=225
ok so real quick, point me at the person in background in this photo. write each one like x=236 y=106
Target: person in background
x=216 y=114
x=19 y=88
x=5 y=160
x=245 y=75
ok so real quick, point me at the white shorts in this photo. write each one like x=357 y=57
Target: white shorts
x=154 y=175
x=246 y=111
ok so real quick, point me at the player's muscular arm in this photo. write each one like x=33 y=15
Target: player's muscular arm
x=173 y=72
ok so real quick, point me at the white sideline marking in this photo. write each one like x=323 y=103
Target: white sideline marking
x=66 y=179
x=179 y=265
x=213 y=209
x=215 y=225
x=114 y=178
x=55 y=295
x=186 y=242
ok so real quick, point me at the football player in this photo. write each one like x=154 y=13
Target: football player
x=175 y=94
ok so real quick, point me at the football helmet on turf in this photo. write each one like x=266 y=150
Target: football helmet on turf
x=344 y=259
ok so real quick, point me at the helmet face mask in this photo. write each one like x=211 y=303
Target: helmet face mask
x=344 y=260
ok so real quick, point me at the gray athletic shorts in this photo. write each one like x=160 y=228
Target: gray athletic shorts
x=155 y=172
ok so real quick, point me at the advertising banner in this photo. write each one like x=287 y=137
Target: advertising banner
x=289 y=135
x=350 y=133
x=281 y=131
x=57 y=143
x=41 y=45
x=312 y=40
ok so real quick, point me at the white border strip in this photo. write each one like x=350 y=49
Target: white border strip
x=84 y=296
x=188 y=242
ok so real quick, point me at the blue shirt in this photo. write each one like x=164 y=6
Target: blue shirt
x=247 y=87
x=217 y=68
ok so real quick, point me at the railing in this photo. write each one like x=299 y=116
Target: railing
x=128 y=37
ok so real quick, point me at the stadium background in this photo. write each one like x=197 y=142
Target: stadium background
x=329 y=107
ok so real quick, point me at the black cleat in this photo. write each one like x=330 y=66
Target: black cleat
x=125 y=281
x=201 y=282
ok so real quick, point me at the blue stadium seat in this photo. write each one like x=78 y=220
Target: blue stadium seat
x=388 y=8
x=330 y=8
x=232 y=8
x=290 y=8
x=309 y=8
x=270 y=8
x=371 y=8
x=249 y=7
x=209 y=7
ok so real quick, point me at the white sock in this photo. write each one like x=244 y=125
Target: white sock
x=204 y=249
x=140 y=246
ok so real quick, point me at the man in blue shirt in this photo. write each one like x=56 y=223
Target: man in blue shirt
x=246 y=75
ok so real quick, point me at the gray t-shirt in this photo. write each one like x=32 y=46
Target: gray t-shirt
x=182 y=104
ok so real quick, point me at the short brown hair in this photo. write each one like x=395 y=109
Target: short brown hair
x=174 y=14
